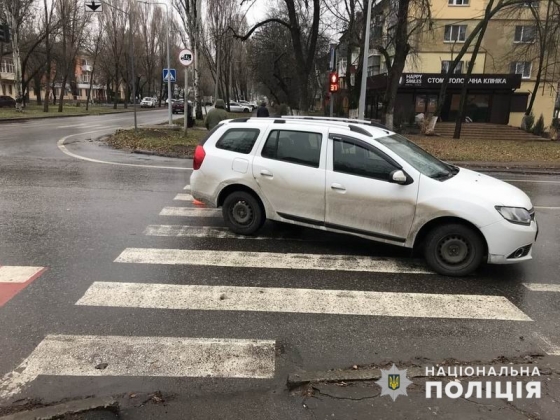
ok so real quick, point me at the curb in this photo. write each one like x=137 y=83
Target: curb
x=72 y=407
x=10 y=120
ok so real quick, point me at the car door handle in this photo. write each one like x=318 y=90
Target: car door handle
x=338 y=187
x=264 y=172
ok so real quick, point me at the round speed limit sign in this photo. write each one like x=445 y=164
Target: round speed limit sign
x=186 y=57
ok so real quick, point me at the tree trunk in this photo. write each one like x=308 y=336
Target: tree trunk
x=15 y=50
x=402 y=48
x=117 y=90
x=37 y=88
x=464 y=88
x=543 y=37
x=62 y=91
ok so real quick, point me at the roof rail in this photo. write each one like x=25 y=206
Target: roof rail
x=346 y=120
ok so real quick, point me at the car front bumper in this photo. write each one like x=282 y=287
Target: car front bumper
x=505 y=239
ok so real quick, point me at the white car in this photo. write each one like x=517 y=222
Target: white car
x=251 y=105
x=237 y=107
x=148 y=103
x=364 y=180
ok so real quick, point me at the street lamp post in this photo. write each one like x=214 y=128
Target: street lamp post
x=170 y=105
x=362 y=103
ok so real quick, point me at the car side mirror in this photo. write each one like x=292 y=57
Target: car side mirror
x=399 y=177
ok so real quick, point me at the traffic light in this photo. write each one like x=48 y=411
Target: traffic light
x=5 y=33
x=333 y=82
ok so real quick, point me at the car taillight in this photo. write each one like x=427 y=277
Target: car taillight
x=199 y=155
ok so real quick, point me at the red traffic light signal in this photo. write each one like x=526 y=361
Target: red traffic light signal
x=333 y=82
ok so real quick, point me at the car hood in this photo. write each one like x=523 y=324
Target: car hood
x=496 y=192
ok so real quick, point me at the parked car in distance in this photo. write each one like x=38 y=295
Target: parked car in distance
x=7 y=101
x=148 y=102
x=249 y=104
x=359 y=178
x=178 y=107
x=237 y=107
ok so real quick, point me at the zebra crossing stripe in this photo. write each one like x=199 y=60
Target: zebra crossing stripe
x=542 y=287
x=190 y=212
x=270 y=260
x=78 y=355
x=183 y=197
x=204 y=232
x=308 y=301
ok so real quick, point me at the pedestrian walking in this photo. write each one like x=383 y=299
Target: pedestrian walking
x=263 y=111
x=216 y=115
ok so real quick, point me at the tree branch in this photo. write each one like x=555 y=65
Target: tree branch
x=257 y=26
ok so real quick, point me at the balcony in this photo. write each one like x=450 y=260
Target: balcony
x=86 y=67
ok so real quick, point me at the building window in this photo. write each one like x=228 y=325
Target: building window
x=85 y=78
x=446 y=63
x=458 y=2
x=455 y=33
x=10 y=88
x=525 y=34
x=7 y=66
x=374 y=65
x=377 y=27
x=523 y=68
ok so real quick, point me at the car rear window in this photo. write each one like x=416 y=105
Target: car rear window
x=239 y=140
x=297 y=147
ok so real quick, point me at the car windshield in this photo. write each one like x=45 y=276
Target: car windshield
x=418 y=158
x=147 y=99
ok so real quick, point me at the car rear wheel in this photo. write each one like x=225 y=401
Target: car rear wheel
x=454 y=250
x=246 y=110
x=242 y=213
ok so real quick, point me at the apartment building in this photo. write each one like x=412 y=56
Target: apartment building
x=83 y=76
x=504 y=71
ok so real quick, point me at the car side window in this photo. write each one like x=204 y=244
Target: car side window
x=299 y=147
x=354 y=159
x=240 y=140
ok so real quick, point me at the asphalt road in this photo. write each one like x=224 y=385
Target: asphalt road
x=112 y=306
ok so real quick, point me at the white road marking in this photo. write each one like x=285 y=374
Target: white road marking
x=307 y=301
x=270 y=260
x=187 y=187
x=546 y=208
x=542 y=287
x=548 y=347
x=183 y=197
x=64 y=150
x=71 y=126
x=17 y=274
x=71 y=355
x=190 y=212
x=204 y=232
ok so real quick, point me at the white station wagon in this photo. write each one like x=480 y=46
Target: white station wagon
x=354 y=177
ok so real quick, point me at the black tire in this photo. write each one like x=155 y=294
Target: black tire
x=243 y=213
x=246 y=110
x=454 y=250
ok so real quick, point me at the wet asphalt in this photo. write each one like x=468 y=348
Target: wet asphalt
x=75 y=217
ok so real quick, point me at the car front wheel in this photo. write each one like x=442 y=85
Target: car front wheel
x=242 y=213
x=454 y=250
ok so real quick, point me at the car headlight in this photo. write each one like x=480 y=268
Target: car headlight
x=517 y=215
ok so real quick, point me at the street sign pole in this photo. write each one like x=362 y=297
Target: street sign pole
x=332 y=104
x=132 y=71
x=186 y=58
x=362 y=102
x=170 y=106
x=186 y=105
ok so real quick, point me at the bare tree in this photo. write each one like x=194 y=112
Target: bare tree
x=49 y=14
x=73 y=24
x=304 y=42
x=16 y=12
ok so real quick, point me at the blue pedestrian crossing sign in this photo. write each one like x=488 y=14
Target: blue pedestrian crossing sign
x=169 y=75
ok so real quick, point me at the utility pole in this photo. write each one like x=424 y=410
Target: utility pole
x=362 y=103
